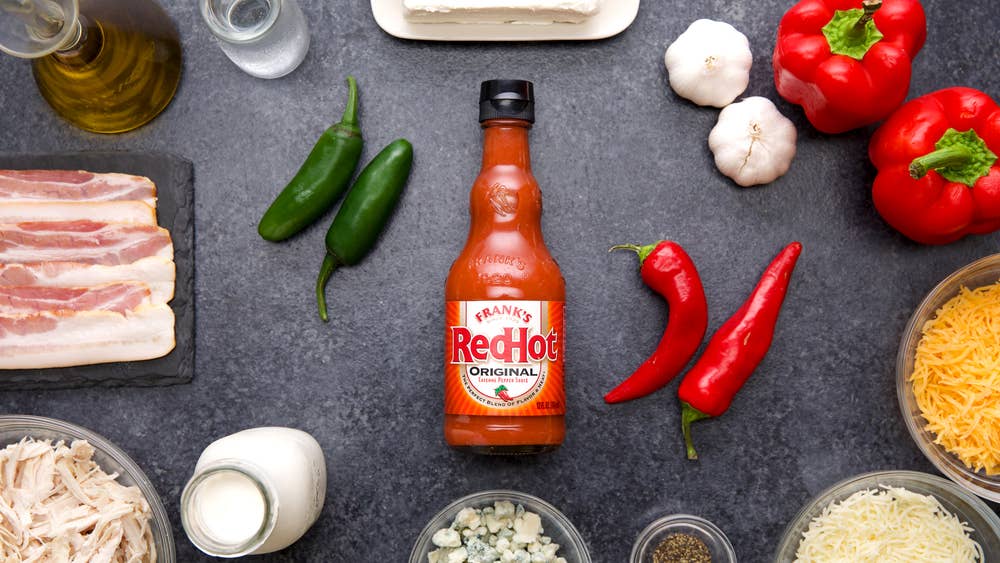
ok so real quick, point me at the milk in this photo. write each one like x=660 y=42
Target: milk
x=231 y=506
x=256 y=491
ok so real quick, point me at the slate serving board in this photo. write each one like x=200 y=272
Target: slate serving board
x=174 y=179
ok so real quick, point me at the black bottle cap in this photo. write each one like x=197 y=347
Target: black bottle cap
x=507 y=99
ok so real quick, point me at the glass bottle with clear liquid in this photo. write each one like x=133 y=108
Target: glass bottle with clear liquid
x=107 y=66
x=265 y=38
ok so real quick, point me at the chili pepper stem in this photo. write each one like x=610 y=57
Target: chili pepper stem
x=690 y=414
x=330 y=264
x=642 y=251
x=351 y=111
x=942 y=158
x=869 y=7
x=633 y=247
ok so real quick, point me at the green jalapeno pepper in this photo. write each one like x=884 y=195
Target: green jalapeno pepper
x=322 y=178
x=365 y=212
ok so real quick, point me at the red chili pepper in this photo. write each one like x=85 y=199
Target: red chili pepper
x=938 y=175
x=502 y=393
x=737 y=348
x=847 y=62
x=669 y=271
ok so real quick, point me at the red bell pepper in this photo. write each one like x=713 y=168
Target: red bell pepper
x=938 y=176
x=847 y=62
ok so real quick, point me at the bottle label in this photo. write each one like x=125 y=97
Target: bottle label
x=504 y=358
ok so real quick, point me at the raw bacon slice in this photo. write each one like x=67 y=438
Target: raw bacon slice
x=117 y=297
x=50 y=340
x=74 y=185
x=156 y=272
x=103 y=211
x=89 y=242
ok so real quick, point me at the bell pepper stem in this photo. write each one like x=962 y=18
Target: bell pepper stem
x=329 y=265
x=690 y=414
x=869 y=7
x=642 y=251
x=947 y=157
x=350 y=118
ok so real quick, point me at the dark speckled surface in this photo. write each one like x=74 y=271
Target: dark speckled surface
x=620 y=159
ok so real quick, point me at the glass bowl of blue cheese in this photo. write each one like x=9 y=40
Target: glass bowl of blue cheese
x=500 y=527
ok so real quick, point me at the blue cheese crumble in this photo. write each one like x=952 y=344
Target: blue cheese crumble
x=502 y=533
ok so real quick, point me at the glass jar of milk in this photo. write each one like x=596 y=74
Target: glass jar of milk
x=256 y=491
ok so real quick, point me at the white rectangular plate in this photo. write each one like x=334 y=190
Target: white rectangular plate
x=615 y=16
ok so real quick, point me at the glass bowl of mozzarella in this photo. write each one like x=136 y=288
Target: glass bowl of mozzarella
x=946 y=377
x=490 y=524
x=890 y=516
x=121 y=518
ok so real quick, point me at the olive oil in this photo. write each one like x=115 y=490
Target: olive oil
x=122 y=72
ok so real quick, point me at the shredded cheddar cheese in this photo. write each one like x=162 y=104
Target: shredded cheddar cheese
x=956 y=377
x=887 y=525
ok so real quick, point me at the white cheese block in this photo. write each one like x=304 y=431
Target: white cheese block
x=500 y=11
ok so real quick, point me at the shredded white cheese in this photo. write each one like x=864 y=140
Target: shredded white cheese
x=887 y=525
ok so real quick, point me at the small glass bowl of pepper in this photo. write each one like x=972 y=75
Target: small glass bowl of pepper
x=682 y=537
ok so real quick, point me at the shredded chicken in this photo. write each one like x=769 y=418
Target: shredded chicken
x=58 y=506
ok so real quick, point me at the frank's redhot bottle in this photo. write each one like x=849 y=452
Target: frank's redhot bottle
x=504 y=338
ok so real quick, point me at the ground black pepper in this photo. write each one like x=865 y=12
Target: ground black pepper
x=682 y=548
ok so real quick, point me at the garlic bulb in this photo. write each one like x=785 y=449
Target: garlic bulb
x=752 y=142
x=709 y=63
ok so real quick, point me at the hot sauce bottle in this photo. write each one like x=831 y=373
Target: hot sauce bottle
x=504 y=298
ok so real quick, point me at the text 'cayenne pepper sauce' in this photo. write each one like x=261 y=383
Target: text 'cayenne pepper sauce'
x=504 y=298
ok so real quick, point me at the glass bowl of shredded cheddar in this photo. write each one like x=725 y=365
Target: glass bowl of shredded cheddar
x=948 y=377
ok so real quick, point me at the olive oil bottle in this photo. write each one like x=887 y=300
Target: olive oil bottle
x=120 y=73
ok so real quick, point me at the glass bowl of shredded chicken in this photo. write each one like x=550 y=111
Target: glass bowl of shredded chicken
x=948 y=377
x=67 y=494
x=892 y=517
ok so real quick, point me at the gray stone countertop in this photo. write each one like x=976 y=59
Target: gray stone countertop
x=620 y=158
